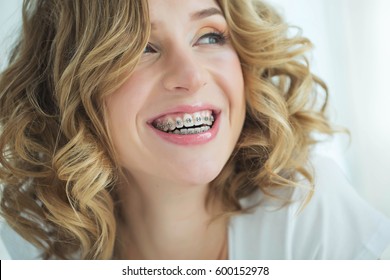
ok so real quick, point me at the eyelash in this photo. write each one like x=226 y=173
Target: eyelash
x=220 y=36
x=149 y=48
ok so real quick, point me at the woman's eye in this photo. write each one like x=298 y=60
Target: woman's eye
x=149 y=49
x=212 y=39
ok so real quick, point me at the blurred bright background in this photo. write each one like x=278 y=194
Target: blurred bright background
x=352 y=54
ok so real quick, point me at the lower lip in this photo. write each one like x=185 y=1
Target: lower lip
x=190 y=139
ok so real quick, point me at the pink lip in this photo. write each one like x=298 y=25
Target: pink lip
x=190 y=139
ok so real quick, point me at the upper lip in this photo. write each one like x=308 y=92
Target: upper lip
x=182 y=109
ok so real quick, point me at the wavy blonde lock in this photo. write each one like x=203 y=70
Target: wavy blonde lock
x=58 y=167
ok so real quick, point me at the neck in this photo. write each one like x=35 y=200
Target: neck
x=169 y=221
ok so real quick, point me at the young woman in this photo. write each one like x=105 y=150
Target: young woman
x=167 y=129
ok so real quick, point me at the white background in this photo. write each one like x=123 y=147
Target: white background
x=352 y=54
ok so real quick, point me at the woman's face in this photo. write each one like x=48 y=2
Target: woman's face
x=178 y=116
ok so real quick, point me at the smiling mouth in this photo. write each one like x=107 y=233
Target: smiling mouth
x=185 y=123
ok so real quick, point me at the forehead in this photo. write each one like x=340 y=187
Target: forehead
x=161 y=10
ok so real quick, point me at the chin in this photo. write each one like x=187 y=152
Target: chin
x=202 y=174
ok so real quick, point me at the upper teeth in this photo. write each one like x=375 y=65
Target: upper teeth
x=170 y=123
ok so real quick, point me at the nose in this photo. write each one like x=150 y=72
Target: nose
x=184 y=72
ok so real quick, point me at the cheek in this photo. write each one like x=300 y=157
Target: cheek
x=228 y=73
x=234 y=89
x=231 y=79
x=236 y=80
x=123 y=108
x=125 y=104
x=125 y=96
x=227 y=68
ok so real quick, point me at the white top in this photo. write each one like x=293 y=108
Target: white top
x=336 y=224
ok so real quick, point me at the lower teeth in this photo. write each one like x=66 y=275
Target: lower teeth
x=186 y=131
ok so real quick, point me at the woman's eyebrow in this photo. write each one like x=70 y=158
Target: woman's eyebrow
x=201 y=14
x=205 y=13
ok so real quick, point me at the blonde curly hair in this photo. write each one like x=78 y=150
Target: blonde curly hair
x=58 y=167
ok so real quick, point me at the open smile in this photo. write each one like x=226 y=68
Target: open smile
x=184 y=124
x=184 y=127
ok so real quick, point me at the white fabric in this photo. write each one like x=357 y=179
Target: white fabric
x=336 y=224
